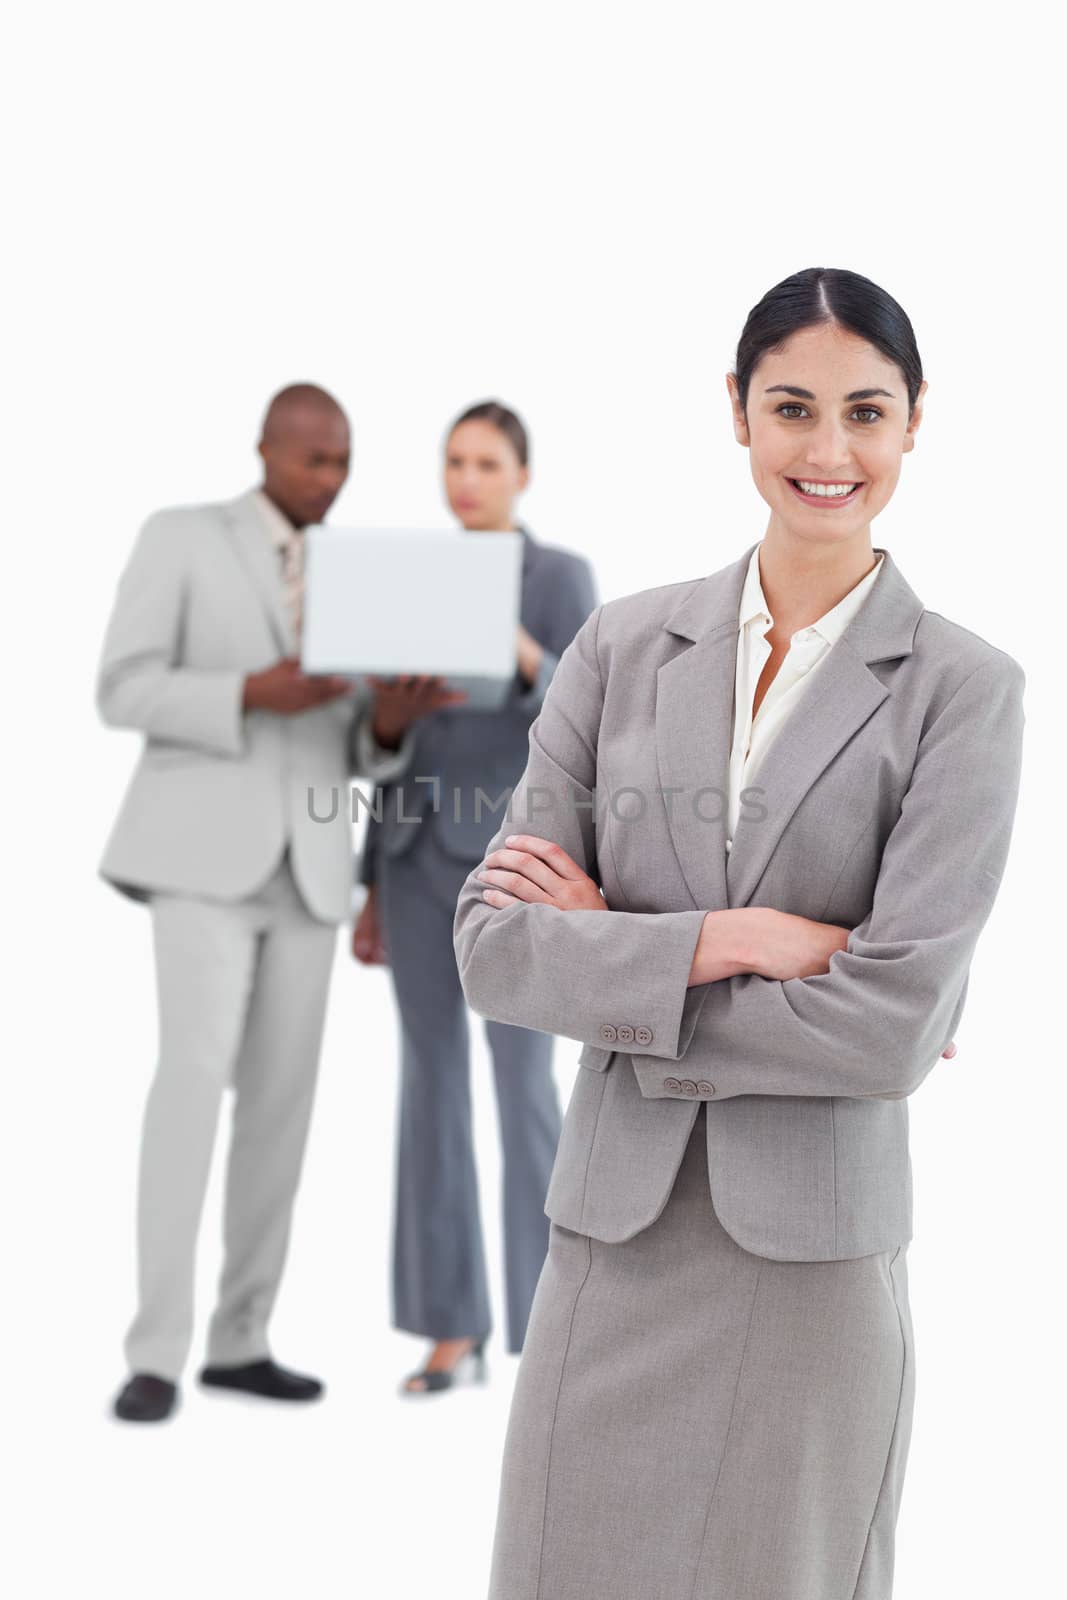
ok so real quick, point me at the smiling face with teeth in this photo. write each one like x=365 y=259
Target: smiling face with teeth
x=826 y=427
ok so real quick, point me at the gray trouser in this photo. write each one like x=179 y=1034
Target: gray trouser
x=242 y=1000
x=439 y=1275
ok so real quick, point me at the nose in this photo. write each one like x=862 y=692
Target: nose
x=828 y=446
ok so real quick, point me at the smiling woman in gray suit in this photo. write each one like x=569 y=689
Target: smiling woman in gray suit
x=414 y=869
x=773 y=806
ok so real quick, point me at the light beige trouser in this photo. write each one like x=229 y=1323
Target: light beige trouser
x=242 y=993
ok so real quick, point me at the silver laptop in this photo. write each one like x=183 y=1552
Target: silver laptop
x=388 y=601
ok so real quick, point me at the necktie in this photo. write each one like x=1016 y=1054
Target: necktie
x=292 y=554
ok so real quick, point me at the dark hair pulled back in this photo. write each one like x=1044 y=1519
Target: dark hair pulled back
x=501 y=417
x=829 y=294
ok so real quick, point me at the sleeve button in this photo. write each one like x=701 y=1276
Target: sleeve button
x=706 y=1088
x=672 y=1085
x=626 y=1035
x=643 y=1035
x=608 y=1033
x=688 y=1086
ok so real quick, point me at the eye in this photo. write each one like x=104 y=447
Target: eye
x=868 y=414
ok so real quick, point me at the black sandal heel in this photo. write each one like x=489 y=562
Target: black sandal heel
x=471 y=1367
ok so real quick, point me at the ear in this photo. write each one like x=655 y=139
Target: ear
x=740 y=425
x=524 y=479
x=908 y=442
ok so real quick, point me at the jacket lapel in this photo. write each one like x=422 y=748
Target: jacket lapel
x=531 y=548
x=843 y=695
x=251 y=539
x=694 y=726
x=694 y=719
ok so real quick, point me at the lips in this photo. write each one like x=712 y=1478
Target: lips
x=823 y=500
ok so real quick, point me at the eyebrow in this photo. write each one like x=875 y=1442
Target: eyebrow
x=806 y=394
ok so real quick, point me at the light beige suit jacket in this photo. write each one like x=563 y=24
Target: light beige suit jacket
x=218 y=791
x=885 y=805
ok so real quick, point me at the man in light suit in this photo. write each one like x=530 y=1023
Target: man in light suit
x=246 y=884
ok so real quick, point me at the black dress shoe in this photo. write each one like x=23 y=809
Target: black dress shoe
x=146 y=1398
x=264 y=1378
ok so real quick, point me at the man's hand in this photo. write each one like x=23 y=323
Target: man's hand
x=368 y=942
x=540 y=872
x=398 y=702
x=286 y=689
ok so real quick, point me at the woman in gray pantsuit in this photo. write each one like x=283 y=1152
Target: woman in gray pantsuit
x=415 y=861
x=791 y=787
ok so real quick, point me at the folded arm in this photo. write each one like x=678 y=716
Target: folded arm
x=575 y=973
x=878 y=1020
x=871 y=1026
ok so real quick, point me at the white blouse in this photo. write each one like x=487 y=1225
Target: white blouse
x=807 y=649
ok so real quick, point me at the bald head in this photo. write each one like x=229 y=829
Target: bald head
x=305 y=447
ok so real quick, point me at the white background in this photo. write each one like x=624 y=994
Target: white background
x=573 y=208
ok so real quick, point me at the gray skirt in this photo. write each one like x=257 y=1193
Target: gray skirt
x=694 y=1422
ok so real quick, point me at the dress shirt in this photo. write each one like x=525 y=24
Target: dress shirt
x=808 y=648
x=289 y=543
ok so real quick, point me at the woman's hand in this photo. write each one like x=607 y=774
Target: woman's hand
x=368 y=943
x=398 y=702
x=539 y=872
x=770 y=943
x=773 y=944
x=786 y=946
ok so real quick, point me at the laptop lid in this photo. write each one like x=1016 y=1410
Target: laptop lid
x=411 y=600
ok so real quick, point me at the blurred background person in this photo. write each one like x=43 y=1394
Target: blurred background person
x=245 y=888
x=414 y=872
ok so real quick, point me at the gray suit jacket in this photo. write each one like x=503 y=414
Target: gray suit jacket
x=884 y=805
x=465 y=751
x=218 y=791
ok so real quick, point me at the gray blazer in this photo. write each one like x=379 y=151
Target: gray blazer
x=465 y=751
x=884 y=805
x=218 y=791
